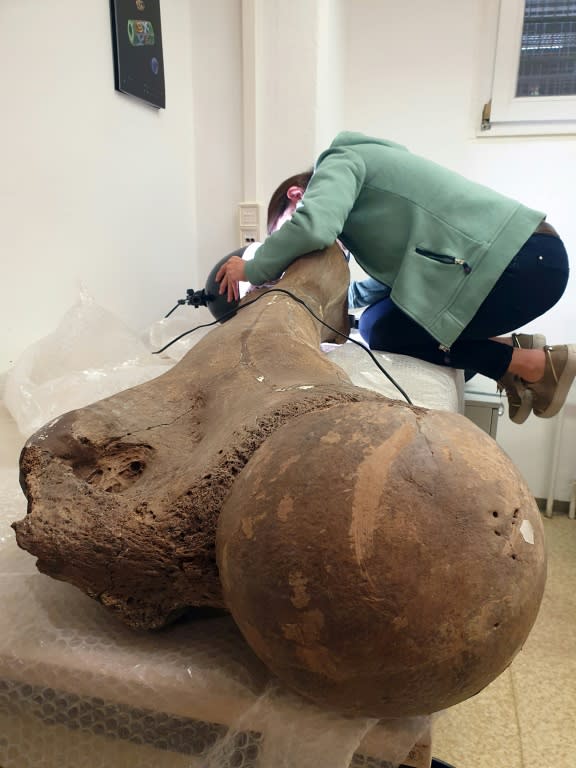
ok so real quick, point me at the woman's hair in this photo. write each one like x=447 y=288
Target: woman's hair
x=279 y=201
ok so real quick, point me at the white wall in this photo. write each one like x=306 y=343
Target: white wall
x=294 y=92
x=216 y=43
x=100 y=189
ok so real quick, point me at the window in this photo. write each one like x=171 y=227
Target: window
x=534 y=88
x=548 y=49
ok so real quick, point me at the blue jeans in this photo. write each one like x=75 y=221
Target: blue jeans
x=530 y=285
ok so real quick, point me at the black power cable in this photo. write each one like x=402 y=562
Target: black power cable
x=299 y=301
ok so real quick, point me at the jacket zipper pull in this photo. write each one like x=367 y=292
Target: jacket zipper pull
x=464 y=264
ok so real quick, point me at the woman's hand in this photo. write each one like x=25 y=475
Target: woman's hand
x=229 y=275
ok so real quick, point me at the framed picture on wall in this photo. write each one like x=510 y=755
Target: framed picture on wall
x=137 y=44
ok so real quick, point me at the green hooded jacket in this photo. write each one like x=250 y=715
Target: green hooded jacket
x=437 y=239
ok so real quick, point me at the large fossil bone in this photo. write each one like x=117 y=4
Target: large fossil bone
x=381 y=559
x=124 y=495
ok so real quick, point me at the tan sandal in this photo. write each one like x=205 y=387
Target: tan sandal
x=518 y=395
x=528 y=340
x=519 y=398
x=549 y=394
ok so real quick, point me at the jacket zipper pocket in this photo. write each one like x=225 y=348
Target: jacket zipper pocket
x=445 y=259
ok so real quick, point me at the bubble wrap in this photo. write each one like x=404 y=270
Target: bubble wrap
x=78 y=689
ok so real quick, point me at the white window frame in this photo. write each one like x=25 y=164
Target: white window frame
x=528 y=115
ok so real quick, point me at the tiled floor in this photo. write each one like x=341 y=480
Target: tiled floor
x=526 y=718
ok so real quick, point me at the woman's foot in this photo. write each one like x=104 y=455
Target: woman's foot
x=519 y=398
x=518 y=395
x=549 y=392
x=538 y=383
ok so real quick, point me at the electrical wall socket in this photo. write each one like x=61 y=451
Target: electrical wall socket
x=250 y=220
x=248 y=236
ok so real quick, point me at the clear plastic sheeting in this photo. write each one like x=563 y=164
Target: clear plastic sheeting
x=179 y=323
x=78 y=689
x=426 y=384
x=13 y=560
x=89 y=356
